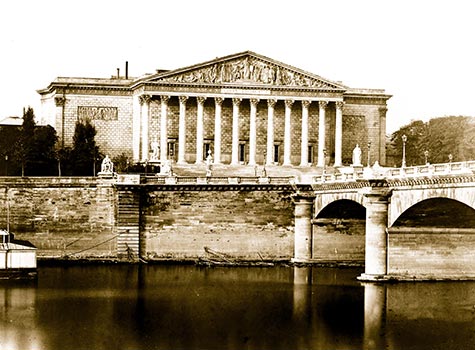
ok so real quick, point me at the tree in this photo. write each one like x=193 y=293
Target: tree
x=85 y=153
x=25 y=144
x=414 y=146
x=440 y=137
x=9 y=136
x=43 y=156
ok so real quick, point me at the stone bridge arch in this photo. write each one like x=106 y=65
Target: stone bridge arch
x=403 y=199
x=322 y=200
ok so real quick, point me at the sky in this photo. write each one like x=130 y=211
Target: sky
x=421 y=52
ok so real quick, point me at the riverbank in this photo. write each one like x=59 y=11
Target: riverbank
x=65 y=261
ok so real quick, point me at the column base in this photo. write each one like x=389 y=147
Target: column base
x=181 y=162
x=301 y=260
x=364 y=277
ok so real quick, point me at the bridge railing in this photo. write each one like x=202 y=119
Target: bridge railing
x=457 y=168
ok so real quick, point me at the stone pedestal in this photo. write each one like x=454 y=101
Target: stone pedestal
x=303 y=228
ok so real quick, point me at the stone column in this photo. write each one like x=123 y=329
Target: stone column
x=60 y=101
x=321 y=132
x=218 y=101
x=338 y=132
x=376 y=199
x=382 y=135
x=235 y=141
x=304 y=145
x=303 y=227
x=253 y=131
x=287 y=132
x=164 y=128
x=270 y=131
x=145 y=102
x=199 y=129
x=182 y=130
x=136 y=110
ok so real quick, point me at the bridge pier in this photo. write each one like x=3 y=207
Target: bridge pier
x=303 y=227
x=376 y=251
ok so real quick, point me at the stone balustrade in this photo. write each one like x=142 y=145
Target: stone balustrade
x=457 y=168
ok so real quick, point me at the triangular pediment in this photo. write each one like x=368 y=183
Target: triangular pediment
x=246 y=68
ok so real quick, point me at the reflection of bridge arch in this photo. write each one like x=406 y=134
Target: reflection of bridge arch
x=403 y=199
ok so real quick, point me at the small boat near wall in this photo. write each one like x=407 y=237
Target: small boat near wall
x=17 y=258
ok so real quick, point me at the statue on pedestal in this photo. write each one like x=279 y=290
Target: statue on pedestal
x=357 y=156
x=166 y=168
x=209 y=162
x=155 y=149
x=107 y=167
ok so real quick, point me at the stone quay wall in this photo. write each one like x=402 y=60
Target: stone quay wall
x=239 y=221
x=61 y=216
x=81 y=217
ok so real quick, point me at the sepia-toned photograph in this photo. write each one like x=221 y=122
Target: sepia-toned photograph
x=255 y=175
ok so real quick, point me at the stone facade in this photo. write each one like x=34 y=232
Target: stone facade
x=268 y=112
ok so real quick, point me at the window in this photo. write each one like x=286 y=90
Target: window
x=242 y=152
x=171 y=149
x=276 y=153
x=310 y=154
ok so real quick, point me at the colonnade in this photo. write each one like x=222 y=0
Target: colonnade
x=142 y=142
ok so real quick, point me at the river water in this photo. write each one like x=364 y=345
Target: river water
x=189 y=307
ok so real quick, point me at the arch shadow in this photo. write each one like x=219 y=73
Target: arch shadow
x=343 y=209
x=437 y=212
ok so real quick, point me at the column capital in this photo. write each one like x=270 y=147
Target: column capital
x=218 y=101
x=271 y=102
x=145 y=99
x=322 y=104
x=306 y=103
x=339 y=105
x=289 y=103
x=201 y=99
x=164 y=98
x=59 y=101
x=237 y=101
x=254 y=101
x=183 y=99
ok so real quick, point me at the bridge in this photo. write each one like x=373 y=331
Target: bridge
x=419 y=222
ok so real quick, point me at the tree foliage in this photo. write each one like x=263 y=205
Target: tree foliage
x=85 y=155
x=440 y=137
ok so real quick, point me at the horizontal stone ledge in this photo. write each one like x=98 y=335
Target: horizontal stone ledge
x=429 y=230
x=392 y=278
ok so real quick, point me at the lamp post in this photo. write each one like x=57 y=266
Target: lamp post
x=6 y=164
x=404 y=139
x=369 y=153
x=426 y=155
x=324 y=161
x=451 y=157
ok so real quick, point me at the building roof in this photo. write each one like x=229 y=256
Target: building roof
x=240 y=70
x=12 y=120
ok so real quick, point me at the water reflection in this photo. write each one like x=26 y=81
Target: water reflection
x=186 y=307
x=18 y=324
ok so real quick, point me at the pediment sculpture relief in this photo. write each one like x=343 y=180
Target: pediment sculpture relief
x=248 y=70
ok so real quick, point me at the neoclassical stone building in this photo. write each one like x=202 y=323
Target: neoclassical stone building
x=244 y=108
